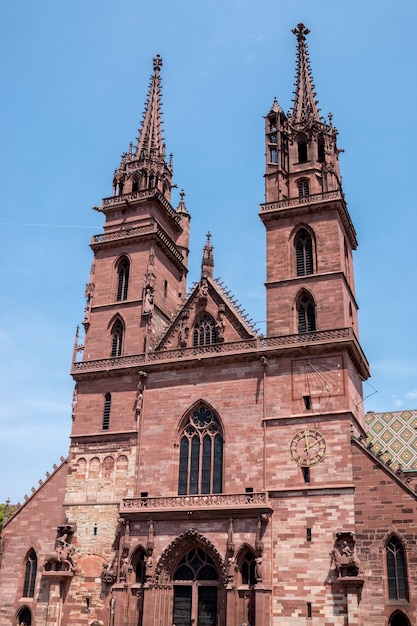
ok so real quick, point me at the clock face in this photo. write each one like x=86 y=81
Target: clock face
x=308 y=447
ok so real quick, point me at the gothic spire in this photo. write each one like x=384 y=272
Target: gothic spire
x=305 y=105
x=150 y=143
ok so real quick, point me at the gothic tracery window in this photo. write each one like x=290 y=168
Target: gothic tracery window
x=396 y=570
x=201 y=453
x=116 y=338
x=31 y=565
x=123 y=269
x=306 y=313
x=303 y=245
x=205 y=331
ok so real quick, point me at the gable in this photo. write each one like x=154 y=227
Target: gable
x=208 y=316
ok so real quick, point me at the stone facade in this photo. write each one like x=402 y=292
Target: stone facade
x=217 y=476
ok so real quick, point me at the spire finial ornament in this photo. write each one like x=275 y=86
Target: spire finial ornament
x=157 y=63
x=305 y=105
x=301 y=31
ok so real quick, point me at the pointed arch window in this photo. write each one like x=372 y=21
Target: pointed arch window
x=306 y=312
x=303 y=245
x=135 y=184
x=248 y=569
x=31 y=565
x=24 y=617
x=205 y=331
x=201 y=453
x=123 y=269
x=116 y=338
x=106 y=411
x=396 y=570
x=303 y=187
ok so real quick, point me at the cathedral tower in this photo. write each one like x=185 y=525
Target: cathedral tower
x=310 y=236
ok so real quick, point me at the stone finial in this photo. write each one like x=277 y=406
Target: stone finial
x=301 y=31
x=157 y=63
x=207 y=264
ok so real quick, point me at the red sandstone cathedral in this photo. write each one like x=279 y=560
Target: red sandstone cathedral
x=216 y=476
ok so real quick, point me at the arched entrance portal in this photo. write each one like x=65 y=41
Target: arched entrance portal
x=196 y=583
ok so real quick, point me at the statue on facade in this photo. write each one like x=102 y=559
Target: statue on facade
x=345 y=560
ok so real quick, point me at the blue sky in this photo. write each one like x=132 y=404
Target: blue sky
x=74 y=78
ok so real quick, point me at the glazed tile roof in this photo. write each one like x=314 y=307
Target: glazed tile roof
x=395 y=435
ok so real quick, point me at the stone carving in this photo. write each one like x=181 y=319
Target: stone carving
x=60 y=559
x=220 y=325
x=230 y=553
x=139 y=399
x=344 y=558
x=108 y=575
x=259 y=547
x=147 y=306
x=184 y=330
x=258 y=569
x=203 y=290
x=74 y=403
x=124 y=569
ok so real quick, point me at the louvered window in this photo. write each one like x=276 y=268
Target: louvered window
x=106 y=411
x=396 y=570
x=122 y=279
x=306 y=314
x=205 y=331
x=116 y=339
x=303 y=187
x=303 y=253
x=201 y=454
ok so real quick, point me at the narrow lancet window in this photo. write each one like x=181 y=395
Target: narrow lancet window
x=396 y=570
x=31 y=565
x=123 y=270
x=106 y=411
x=116 y=339
x=303 y=252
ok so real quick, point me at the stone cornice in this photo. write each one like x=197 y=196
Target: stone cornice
x=315 y=202
x=249 y=349
x=246 y=504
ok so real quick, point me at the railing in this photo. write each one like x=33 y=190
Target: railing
x=256 y=344
x=141 y=195
x=125 y=232
x=292 y=202
x=209 y=501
